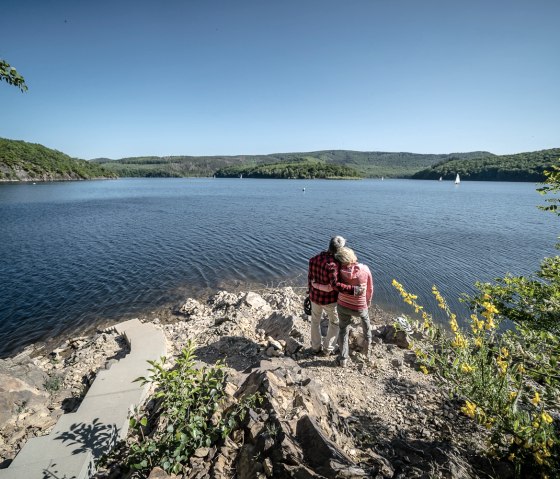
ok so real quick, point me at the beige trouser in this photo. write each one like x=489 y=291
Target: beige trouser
x=328 y=342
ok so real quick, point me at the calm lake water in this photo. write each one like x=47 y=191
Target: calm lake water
x=75 y=254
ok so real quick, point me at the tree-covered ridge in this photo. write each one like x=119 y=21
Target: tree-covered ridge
x=22 y=161
x=519 y=167
x=369 y=164
x=299 y=168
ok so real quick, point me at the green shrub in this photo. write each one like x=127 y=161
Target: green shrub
x=506 y=382
x=189 y=413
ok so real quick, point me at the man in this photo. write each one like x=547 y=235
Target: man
x=323 y=269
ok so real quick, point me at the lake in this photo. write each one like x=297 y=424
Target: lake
x=75 y=254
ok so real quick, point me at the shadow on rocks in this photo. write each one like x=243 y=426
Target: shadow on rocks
x=410 y=457
x=237 y=352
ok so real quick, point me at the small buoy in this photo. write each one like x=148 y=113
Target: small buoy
x=303 y=189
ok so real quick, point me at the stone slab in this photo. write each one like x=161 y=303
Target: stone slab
x=80 y=438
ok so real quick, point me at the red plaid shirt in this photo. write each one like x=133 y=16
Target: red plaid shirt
x=323 y=269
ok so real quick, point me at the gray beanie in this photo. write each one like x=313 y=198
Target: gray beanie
x=336 y=243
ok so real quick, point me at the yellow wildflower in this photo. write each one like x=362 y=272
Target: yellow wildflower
x=546 y=417
x=489 y=324
x=536 y=398
x=504 y=352
x=453 y=324
x=439 y=298
x=538 y=457
x=502 y=365
x=469 y=409
x=521 y=369
x=489 y=308
x=477 y=324
x=511 y=457
x=459 y=341
x=536 y=424
x=424 y=369
x=478 y=342
x=512 y=395
x=466 y=368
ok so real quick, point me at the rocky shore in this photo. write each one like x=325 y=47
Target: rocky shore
x=379 y=417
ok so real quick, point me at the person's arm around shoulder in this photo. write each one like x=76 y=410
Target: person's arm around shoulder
x=336 y=284
x=322 y=287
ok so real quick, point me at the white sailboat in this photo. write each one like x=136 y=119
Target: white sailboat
x=457 y=179
x=441 y=178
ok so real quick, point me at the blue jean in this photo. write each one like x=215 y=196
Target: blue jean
x=345 y=316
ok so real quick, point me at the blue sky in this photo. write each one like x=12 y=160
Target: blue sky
x=117 y=78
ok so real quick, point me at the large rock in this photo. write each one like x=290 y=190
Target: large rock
x=255 y=301
x=322 y=454
x=21 y=390
x=282 y=327
x=291 y=430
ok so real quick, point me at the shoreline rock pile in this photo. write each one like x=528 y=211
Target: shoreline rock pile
x=380 y=417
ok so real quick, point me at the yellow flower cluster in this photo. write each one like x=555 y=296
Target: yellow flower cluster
x=466 y=368
x=469 y=409
x=501 y=360
x=541 y=455
x=410 y=299
x=536 y=399
x=424 y=369
x=427 y=324
x=477 y=325
x=453 y=323
x=490 y=324
x=547 y=418
x=489 y=310
x=459 y=341
x=439 y=298
x=502 y=365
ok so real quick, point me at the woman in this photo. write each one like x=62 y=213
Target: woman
x=350 y=306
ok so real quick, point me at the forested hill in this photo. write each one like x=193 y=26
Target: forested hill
x=22 y=161
x=297 y=168
x=369 y=164
x=518 y=167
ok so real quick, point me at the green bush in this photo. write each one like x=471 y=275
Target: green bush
x=505 y=378
x=188 y=416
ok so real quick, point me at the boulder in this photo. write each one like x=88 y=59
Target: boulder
x=290 y=431
x=21 y=389
x=255 y=301
x=192 y=308
x=282 y=328
x=397 y=336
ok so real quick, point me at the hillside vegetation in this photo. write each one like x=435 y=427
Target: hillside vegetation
x=368 y=164
x=299 y=168
x=22 y=161
x=519 y=167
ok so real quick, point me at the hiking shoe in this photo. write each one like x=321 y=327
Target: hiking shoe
x=342 y=362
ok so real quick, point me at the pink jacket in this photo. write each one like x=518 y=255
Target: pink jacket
x=353 y=274
x=356 y=274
